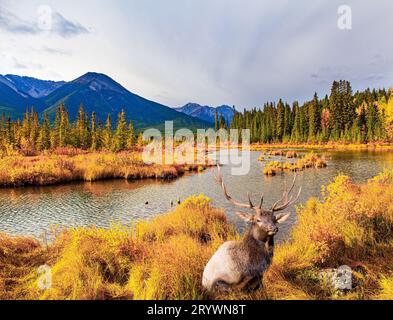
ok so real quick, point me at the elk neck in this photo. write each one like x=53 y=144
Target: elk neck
x=256 y=238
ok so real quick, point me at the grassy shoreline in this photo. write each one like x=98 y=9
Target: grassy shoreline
x=324 y=146
x=310 y=160
x=52 y=169
x=164 y=258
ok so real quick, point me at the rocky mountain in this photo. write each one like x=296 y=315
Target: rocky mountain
x=13 y=101
x=97 y=92
x=207 y=113
x=33 y=87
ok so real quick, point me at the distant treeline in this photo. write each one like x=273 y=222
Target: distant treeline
x=88 y=133
x=362 y=117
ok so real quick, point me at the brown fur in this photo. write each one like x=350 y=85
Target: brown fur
x=241 y=264
x=253 y=257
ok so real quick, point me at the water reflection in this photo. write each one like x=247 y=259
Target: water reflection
x=30 y=211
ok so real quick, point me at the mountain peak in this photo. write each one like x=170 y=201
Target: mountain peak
x=92 y=75
x=99 y=81
x=207 y=113
x=96 y=91
x=31 y=87
x=89 y=76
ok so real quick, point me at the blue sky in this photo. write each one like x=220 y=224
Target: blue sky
x=213 y=52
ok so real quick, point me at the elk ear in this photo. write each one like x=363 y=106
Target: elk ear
x=280 y=218
x=244 y=216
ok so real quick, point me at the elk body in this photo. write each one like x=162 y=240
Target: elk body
x=240 y=265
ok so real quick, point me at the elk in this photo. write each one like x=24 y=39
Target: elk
x=240 y=265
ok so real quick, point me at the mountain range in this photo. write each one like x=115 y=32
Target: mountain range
x=207 y=113
x=97 y=92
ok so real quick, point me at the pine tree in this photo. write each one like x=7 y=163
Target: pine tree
x=64 y=127
x=343 y=111
x=107 y=134
x=372 y=122
x=222 y=123
x=34 y=129
x=16 y=129
x=130 y=136
x=95 y=138
x=361 y=117
x=43 y=142
x=335 y=105
x=325 y=124
x=120 y=138
x=82 y=130
x=139 y=141
x=2 y=131
x=287 y=123
x=280 y=120
x=9 y=133
x=349 y=110
x=216 y=123
x=26 y=126
x=314 y=119
x=296 y=131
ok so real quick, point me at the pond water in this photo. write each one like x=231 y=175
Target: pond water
x=32 y=210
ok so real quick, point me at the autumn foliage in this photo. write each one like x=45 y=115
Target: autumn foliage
x=164 y=258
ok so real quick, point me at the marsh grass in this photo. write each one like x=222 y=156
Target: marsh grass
x=310 y=160
x=71 y=165
x=326 y=146
x=386 y=285
x=164 y=258
x=18 y=257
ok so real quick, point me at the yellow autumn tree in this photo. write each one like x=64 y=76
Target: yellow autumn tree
x=386 y=106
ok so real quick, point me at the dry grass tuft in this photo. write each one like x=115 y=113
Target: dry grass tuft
x=18 y=256
x=386 y=285
x=291 y=154
x=310 y=160
x=161 y=259
x=164 y=258
x=66 y=165
x=382 y=146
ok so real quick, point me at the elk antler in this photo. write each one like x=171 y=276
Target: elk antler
x=261 y=203
x=285 y=201
x=228 y=197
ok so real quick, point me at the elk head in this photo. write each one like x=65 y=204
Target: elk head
x=264 y=222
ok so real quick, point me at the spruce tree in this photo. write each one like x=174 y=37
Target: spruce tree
x=216 y=123
x=34 y=129
x=130 y=136
x=314 y=119
x=107 y=134
x=26 y=126
x=296 y=135
x=280 y=124
x=43 y=142
x=95 y=141
x=120 y=138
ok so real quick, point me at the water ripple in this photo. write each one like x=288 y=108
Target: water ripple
x=30 y=211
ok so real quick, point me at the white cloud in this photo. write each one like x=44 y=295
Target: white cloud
x=212 y=52
x=60 y=26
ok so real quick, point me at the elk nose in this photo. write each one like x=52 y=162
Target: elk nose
x=274 y=230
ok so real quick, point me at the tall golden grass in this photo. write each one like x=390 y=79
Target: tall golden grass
x=60 y=167
x=328 y=145
x=164 y=258
x=310 y=160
